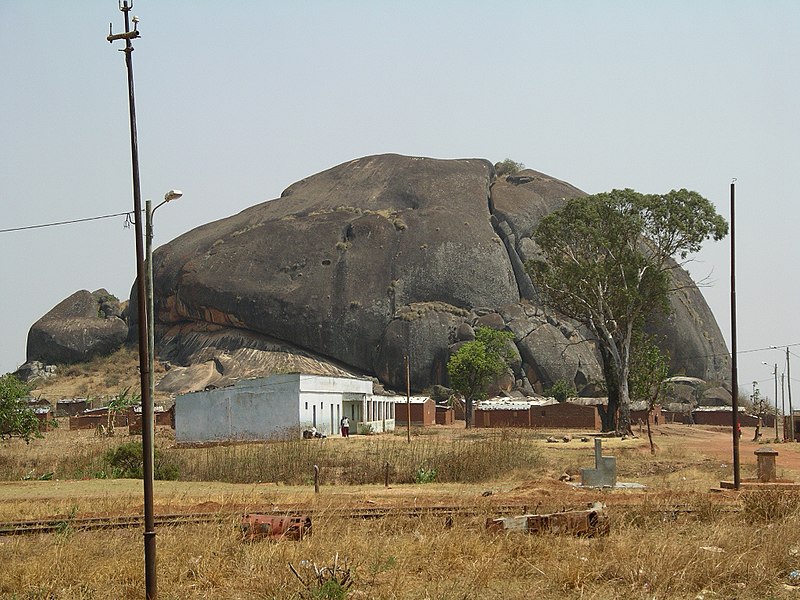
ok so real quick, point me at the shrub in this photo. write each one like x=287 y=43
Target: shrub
x=424 y=475
x=127 y=462
x=508 y=167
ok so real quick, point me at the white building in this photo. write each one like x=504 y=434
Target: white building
x=281 y=406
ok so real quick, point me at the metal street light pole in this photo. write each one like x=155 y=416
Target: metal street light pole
x=789 y=387
x=151 y=591
x=734 y=361
x=170 y=195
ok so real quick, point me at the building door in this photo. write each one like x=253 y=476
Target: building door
x=333 y=422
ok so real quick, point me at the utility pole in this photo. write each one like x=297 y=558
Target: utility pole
x=775 y=375
x=734 y=363
x=151 y=592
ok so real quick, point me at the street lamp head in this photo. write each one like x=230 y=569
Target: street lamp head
x=172 y=195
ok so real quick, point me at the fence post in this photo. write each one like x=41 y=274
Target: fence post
x=386 y=475
x=316 y=479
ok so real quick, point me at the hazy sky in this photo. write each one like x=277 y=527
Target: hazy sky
x=237 y=100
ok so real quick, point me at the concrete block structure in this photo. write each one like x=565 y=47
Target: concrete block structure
x=281 y=406
x=604 y=473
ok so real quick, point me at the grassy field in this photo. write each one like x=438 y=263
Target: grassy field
x=673 y=539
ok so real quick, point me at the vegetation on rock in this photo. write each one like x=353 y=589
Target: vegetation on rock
x=508 y=167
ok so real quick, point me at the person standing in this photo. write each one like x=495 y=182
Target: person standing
x=345 y=424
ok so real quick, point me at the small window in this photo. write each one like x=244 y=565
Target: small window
x=306 y=405
x=320 y=404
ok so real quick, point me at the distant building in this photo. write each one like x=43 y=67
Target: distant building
x=445 y=415
x=422 y=409
x=723 y=415
x=92 y=417
x=70 y=407
x=542 y=413
x=45 y=416
x=281 y=406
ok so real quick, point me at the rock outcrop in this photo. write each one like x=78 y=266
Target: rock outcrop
x=387 y=257
x=80 y=327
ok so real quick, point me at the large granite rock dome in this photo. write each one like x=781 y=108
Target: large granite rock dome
x=385 y=257
x=80 y=327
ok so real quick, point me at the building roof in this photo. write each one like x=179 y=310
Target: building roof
x=503 y=403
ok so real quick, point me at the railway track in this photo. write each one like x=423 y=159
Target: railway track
x=72 y=524
x=60 y=524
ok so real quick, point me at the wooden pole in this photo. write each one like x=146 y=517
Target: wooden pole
x=408 y=400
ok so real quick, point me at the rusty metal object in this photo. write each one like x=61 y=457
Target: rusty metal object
x=257 y=527
x=585 y=523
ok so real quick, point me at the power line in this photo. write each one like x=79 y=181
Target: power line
x=128 y=214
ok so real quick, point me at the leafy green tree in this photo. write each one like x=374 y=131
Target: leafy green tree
x=648 y=369
x=477 y=364
x=561 y=390
x=17 y=419
x=607 y=264
x=122 y=401
x=508 y=167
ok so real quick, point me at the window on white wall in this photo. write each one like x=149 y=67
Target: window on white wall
x=306 y=405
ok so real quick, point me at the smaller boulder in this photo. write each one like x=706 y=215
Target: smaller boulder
x=34 y=370
x=77 y=329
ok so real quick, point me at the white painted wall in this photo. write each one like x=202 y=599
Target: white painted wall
x=266 y=407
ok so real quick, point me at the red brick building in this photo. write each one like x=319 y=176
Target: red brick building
x=566 y=415
x=503 y=413
x=445 y=415
x=90 y=419
x=423 y=412
x=721 y=415
x=543 y=414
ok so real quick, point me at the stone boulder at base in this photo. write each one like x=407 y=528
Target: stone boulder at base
x=77 y=329
x=382 y=258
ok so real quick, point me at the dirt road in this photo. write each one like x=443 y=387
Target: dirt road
x=717 y=442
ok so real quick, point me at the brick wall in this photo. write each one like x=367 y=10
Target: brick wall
x=92 y=421
x=502 y=418
x=445 y=416
x=422 y=413
x=565 y=415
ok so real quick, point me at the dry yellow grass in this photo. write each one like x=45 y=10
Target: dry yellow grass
x=652 y=551
x=718 y=556
x=99 y=378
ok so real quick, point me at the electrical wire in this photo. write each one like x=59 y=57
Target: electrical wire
x=128 y=221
